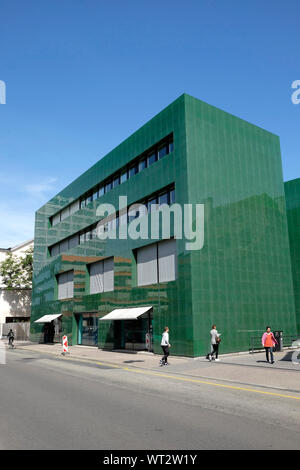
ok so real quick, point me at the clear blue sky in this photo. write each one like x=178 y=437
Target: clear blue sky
x=82 y=75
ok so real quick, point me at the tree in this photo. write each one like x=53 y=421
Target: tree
x=16 y=272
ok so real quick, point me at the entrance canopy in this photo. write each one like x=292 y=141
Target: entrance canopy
x=126 y=313
x=48 y=318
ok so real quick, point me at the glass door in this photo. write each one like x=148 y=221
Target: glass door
x=89 y=329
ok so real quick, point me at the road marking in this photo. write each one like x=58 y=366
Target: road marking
x=186 y=379
x=182 y=379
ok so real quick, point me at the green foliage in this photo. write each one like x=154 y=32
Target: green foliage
x=16 y=272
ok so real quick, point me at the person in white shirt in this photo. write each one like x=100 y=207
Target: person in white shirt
x=214 y=342
x=165 y=347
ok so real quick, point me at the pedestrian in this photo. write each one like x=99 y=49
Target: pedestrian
x=214 y=343
x=268 y=341
x=11 y=338
x=165 y=347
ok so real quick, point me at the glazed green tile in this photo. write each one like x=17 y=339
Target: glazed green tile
x=241 y=279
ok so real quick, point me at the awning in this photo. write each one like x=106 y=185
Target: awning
x=126 y=313
x=47 y=318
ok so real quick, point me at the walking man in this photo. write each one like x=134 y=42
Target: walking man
x=268 y=341
x=214 y=343
x=165 y=347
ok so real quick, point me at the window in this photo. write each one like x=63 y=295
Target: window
x=167 y=260
x=172 y=196
x=101 y=191
x=108 y=186
x=151 y=159
x=116 y=182
x=65 y=283
x=124 y=177
x=95 y=195
x=133 y=171
x=147 y=265
x=142 y=164
x=54 y=250
x=65 y=213
x=163 y=199
x=157 y=263
x=73 y=241
x=171 y=147
x=64 y=246
x=162 y=151
x=151 y=204
x=56 y=219
x=74 y=207
x=102 y=276
x=82 y=238
x=82 y=203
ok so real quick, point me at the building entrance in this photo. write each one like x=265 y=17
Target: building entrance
x=88 y=329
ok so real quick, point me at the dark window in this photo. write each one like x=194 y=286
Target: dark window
x=101 y=191
x=143 y=164
x=89 y=198
x=151 y=158
x=171 y=147
x=163 y=199
x=82 y=203
x=116 y=182
x=172 y=196
x=133 y=170
x=162 y=151
x=108 y=186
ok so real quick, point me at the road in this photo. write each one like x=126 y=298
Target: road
x=52 y=403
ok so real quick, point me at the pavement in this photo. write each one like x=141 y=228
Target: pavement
x=244 y=368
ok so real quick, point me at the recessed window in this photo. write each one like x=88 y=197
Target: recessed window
x=142 y=164
x=151 y=159
x=171 y=147
x=163 y=199
x=124 y=177
x=101 y=191
x=162 y=151
x=133 y=171
x=102 y=276
x=157 y=263
x=108 y=186
x=116 y=182
x=65 y=282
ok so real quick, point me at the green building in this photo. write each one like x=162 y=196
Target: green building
x=241 y=279
x=292 y=194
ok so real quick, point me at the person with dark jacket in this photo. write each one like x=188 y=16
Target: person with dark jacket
x=11 y=338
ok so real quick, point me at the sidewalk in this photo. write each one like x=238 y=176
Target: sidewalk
x=247 y=369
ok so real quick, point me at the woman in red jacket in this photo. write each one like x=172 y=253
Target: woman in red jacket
x=268 y=341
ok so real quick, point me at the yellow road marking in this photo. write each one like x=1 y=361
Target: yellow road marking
x=182 y=379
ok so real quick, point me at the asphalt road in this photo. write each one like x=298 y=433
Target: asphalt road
x=50 y=403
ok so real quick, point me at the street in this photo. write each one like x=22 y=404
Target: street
x=60 y=403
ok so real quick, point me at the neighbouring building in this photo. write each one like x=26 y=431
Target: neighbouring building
x=111 y=293
x=292 y=194
x=15 y=304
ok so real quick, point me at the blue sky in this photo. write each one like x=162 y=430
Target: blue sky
x=82 y=75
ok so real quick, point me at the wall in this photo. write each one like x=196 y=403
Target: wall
x=292 y=192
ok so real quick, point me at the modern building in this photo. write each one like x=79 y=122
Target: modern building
x=292 y=194
x=15 y=304
x=241 y=279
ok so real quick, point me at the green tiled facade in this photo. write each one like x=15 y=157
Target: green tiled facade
x=292 y=194
x=241 y=279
